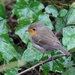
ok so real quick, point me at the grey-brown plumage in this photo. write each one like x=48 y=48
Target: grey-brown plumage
x=44 y=39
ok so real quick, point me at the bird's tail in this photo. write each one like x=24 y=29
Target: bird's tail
x=64 y=50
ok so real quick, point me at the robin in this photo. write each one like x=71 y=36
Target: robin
x=43 y=38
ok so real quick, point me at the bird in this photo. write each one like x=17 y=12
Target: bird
x=43 y=39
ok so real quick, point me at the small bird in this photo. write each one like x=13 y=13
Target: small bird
x=43 y=39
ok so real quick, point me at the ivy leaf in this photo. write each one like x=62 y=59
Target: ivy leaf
x=63 y=12
x=52 y=9
x=69 y=37
x=27 y=9
x=68 y=63
x=6 y=48
x=13 y=71
x=59 y=24
x=3 y=25
x=44 y=18
x=2 y=12
x=70 y=71
x=70 y=16
x=45 y=68
x=37 y=5
x=31 y=55
x=21 y=32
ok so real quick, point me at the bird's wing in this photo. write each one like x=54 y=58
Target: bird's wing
x=46 y=43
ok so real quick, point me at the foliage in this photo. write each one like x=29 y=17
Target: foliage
x=27 y=12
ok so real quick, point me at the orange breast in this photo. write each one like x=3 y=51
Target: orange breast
x=32 y=32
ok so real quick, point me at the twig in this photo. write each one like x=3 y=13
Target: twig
x=20 y=63
x=32 y=68
x=50 y=59
x=37 y=72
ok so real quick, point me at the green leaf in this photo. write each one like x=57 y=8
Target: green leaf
x=45 y=68
x=70 y=71
x=23 y=22
x=59 y=64
x=20 y=4
x=30 y=54
x=21 y=32
x=55 y=66
x=2 y=12
x=59 y=24
x=69 y=37
x=68 y=63
x=70 y=16
x=3 y=25
x=44 y=18
x=27 y=10
x=63 y=12
x=7 y=49
x=52 y=9
x=37 y=5
x=13 y=71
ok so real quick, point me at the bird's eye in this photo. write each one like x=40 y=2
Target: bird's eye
x=34 y=29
